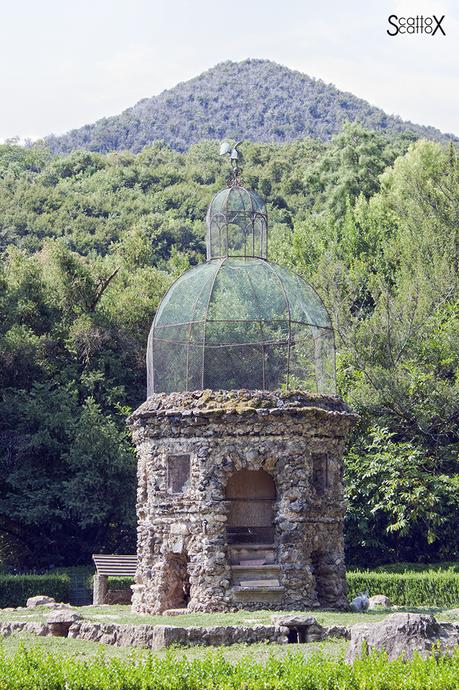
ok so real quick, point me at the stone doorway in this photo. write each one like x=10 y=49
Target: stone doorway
x=251 y=495
x=178 y=581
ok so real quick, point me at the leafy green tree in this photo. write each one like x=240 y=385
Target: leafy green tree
x=351 y=166
x=400 y=504
x=72 y=346
x=68 y=477
x=388 y=272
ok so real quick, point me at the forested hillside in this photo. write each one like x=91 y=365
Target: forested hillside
x=89 y=242
x=257 y=100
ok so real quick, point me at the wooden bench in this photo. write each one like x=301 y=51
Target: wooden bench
x=110 y=565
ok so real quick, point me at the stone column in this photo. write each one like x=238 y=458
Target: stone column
x=100 y=589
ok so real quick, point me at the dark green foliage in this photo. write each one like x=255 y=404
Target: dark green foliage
x=401 y=503
x=410 y=589
x=257 y=100
x=418 y=567
x=388 y=270
x=16 y=589
x=29 y=668
x=69 y=371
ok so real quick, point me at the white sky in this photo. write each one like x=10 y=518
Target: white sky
x=64 y=64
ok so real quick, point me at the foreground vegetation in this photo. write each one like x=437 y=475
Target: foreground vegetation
x=54 y=663
x=90 y=242
x=81 y=649
x=29 y=668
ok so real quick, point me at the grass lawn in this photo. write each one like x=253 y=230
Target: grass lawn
x=123 y=614
x=81 y=649
x=333 y=649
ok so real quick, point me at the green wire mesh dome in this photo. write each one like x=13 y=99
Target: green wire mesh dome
x=241 y=323
x=238 y=321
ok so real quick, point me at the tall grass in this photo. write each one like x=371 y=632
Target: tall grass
x=29 y=669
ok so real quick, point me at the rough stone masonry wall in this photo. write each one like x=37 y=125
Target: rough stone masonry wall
x=224 y=431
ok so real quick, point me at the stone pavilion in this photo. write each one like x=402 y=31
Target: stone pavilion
x=240 y=441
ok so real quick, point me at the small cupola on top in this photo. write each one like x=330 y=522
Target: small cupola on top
x=239 y=321
x=237 y=222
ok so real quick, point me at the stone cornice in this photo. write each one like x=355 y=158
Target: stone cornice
x=211 y=404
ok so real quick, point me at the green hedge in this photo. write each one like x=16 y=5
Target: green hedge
x=16 y=589
x=32 y=668
x=120 y=582
x=428 y=588
x=432 y=588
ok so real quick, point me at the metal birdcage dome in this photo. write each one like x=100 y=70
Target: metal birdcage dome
x=238 y=321
x=241 y=322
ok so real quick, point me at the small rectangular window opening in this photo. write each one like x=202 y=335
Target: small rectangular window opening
x=320 y=472
x=178 y=473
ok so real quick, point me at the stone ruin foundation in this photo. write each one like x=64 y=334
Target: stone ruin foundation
x=240 y=501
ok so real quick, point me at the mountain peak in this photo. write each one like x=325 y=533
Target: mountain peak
x=255 y=99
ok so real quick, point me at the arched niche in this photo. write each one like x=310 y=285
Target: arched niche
x=251 y=495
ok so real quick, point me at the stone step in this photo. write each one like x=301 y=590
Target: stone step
x=251 y=546
x=266 y=567
x=263 y=553
x=256 y=584
x=258 y=595
x=247 y=575
x=258 y=587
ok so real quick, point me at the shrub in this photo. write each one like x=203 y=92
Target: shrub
x=429 y=588
x=113 y=582
x=120 y=582
x=16 y=589
x=30 y=668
